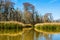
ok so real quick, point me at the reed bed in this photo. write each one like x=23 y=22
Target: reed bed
x=10 y=27
x=48 y=27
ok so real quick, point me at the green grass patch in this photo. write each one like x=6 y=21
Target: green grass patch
x=10 y=27
x=48 y=27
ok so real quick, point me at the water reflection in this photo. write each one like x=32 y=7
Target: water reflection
x=43 y=36
x=32 y=35
x=28 y=35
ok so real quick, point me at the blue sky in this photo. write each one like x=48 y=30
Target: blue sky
x=42 y=6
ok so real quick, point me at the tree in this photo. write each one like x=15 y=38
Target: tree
x=37 y=18
x=18 y=15
x=29 y=13
x=8 y=8
x=1 y=6
x=48 y=17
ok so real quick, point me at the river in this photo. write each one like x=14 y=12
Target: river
x=32 y=35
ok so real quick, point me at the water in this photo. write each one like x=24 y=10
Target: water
x=32 y=35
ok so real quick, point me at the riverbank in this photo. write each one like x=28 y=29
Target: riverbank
x=13 y=28
x=16 y=34
x=49 y=28
x=44 y=32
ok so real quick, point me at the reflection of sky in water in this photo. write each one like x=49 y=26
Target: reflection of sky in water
x=56 y=37
x=41 y=38
x=32 y=35
x=49 y=37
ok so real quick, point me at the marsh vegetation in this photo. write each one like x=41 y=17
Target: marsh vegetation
x=14 y=21
x=48 y=27
x=10 y=27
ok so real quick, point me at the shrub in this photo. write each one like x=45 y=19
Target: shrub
x=48 y=27
x=8 y=27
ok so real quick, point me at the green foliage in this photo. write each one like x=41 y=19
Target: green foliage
x=49 y=27
x=10 y=27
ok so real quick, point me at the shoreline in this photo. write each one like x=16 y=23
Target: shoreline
x=13 y=34
x=46 y=32
x=16 y=34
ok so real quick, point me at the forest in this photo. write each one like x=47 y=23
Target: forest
x=29 y=15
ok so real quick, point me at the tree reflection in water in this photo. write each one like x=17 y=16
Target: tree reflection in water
x=30 y=35
x=36 y=35
x=48 y=36
x=33 y=35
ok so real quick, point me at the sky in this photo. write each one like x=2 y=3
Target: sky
x=42 y=6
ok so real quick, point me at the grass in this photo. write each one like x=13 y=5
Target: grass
x=48 y=27
x=10 y=27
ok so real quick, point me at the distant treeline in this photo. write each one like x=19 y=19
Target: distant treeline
x=29 y=14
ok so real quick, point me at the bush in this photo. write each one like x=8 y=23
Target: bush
x=8 y=27
x=48 y=27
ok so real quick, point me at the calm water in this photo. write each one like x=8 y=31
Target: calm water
x=32 y=35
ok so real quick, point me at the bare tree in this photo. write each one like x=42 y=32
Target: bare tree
x=48 y=17
x=8 y=7
x=29 y=13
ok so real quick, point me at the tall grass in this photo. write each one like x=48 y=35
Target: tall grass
x=10 y=27
x=48 y=27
